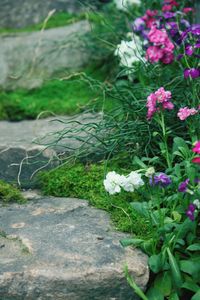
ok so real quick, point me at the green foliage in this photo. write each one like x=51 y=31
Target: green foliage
x=56 y=20
x=9 y=193
x=56 y=96
x=86 y=182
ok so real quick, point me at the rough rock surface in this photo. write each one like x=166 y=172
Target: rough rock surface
x=27 y=59
x=21 y=153
x=60 y=248
x=21 y=13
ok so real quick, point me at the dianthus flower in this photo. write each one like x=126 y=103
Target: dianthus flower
x=149 y=19
x=185 y=112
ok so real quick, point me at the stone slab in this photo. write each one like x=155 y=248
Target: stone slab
x=60 y=248
x=23 y=145
x=27 y=59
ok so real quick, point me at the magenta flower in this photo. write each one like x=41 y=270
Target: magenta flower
x=183 y=186
x=192 y=73
x=196 y=148
x=190 y=211
x=159 y=97
x=196 y=160
x=185 y=112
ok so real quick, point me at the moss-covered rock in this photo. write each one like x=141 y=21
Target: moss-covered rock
x=86 y=182
x=9 y=193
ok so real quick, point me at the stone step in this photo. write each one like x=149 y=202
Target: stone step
x=60 y=248
x=27 y=59
x=23 y=146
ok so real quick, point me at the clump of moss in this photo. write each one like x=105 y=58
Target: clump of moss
x=9 y=193
x=86 y=182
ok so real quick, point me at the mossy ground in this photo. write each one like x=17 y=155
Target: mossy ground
x=60 y=97
x=86 y=182
x=9 y=193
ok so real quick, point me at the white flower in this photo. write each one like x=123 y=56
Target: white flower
x=124 y=4
x=197 y=203
x=132 y=181
x=130 y=52
x=150 y=171
x=113 y=183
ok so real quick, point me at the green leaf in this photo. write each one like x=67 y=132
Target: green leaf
x=133 y=285
x=174 y=296
x=131 y=242
x=154 y=294
x=176 y=216
x=141 y=207
x=175 y=271
x=155 y=262
x=196 y=296
x=191 y=286
x=163 y=283
x=191 y=266
x=138 y=162
x=194 y=247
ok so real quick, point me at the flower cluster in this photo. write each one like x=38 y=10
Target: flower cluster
x=162 y=48
x=159 y=97
x=129 y=52
x=115 y=182
x=186 y=112
x=169 y=5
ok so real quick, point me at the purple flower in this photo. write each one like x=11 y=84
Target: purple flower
x=160 y=179
x=189 y=50
x=193 y=73
x=183 y=186
x=190 y=211
x=169 y=14
x=138 y=24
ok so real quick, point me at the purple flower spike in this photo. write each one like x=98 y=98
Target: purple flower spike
x=193 y=73
x=190 y=211
x=183 y=186
x=161 y=179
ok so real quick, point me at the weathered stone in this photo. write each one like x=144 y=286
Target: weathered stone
x=57 y=248
x=27 y=59
x=21 y=13
x=21 y=152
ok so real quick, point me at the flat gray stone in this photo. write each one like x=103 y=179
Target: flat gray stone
x=27 y=59
x=23 y=145
x=60 y=248
x=22 y=13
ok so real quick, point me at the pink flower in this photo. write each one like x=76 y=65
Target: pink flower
x=157 y=36
x=187 y=9
x=167 y=7
x=196 y=148
x=162 y=95
x=168 y=105
x=159 y=97
x=196 y=160
x=154 y=54
x=185 y=112
x=167 y=58
x=148 y=18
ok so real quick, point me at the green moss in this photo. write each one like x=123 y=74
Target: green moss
x=8 y=193
x=86 y=182
x=56 y=96
x=57 y=20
